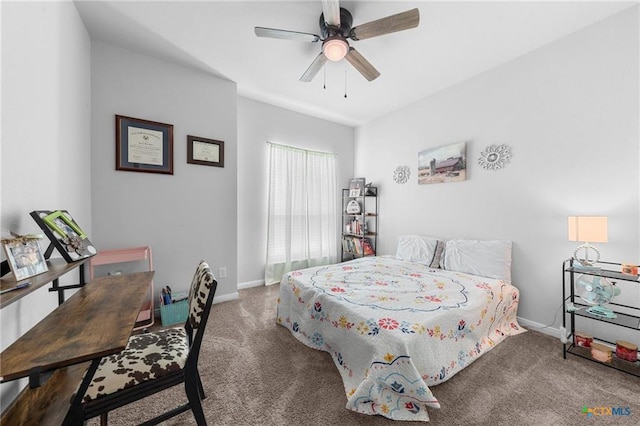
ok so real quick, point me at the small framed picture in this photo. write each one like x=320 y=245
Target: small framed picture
x=24 y=257
x=63 y=225
x=356 y=187
x=206 y=152
x=65 y=234
x=143 y=145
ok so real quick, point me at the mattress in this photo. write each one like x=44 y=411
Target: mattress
x=394 y=328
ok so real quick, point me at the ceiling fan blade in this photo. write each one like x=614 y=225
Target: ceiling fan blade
x=331 y=12
x=313 y=69
x=391 y=24
x=286 y=35
x=363 y=66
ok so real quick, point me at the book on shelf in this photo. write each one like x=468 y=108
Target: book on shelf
x=367 y=249
x=356 y=245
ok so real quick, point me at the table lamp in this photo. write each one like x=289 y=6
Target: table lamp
x=587 y=229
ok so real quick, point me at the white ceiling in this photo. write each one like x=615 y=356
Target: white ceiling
x=454 y=41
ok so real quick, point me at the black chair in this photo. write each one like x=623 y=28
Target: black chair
x=155 y=361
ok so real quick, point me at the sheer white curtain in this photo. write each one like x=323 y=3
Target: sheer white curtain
x=302 y=222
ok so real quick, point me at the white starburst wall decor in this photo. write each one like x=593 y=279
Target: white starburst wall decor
x=401 y=174
x=495 y=157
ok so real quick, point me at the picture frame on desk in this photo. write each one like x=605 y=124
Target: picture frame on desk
x=24 y=257
x=63 y=225
x=143 y=145
x=65 y=234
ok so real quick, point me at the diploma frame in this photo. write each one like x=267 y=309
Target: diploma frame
x=206 y=152
x=132 y=156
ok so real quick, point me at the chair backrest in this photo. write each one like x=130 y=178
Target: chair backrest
x=202 y=285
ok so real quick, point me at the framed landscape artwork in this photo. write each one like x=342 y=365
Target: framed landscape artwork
x=443 y=164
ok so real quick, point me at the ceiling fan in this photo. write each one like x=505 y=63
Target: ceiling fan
x=335 y=29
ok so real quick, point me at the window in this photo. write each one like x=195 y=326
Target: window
x=302 y=223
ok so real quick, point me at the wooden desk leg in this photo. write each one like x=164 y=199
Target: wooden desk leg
x=75 y=415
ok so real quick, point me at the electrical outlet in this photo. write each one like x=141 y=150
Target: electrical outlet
x=222 y=272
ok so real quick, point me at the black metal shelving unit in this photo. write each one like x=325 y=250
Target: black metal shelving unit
x=623 y=319
x=354 y=240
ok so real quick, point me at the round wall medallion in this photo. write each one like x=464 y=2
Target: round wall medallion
x=401 y=174
x=495 y=157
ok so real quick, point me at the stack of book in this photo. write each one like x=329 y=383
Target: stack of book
x=358 y=246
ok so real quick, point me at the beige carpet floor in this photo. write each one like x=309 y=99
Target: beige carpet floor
x=255 y=373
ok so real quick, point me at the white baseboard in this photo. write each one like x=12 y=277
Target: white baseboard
x=554 y=332
x=250 y=284
x=225 y=298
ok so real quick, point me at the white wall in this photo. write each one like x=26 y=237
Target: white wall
x=258 y=123
x=569 y=111
x=184 y=217
x=45 y=128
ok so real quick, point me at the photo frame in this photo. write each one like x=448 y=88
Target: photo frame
x=443 y=164
x=143 y=145
x=205 y=152
x=25 y=257
x=65 y=234
x=356 y=187
x=63 y=225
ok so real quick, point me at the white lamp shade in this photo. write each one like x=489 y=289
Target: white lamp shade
x=592 y=229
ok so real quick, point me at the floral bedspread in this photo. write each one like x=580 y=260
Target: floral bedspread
x=393 y=327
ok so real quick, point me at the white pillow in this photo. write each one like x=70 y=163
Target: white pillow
x=486 y=258
x=416 y=248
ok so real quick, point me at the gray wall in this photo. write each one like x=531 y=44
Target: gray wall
x=46 y=123
x=258 y=123
x=570 y=113
x=184 y=217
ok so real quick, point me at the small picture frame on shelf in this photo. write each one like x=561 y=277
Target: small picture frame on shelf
x=24 y=257
x=356 y=187
x=65 y=234
x=370 y=190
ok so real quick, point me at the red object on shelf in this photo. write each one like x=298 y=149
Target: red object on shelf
x=627 y=351
x=583 y=339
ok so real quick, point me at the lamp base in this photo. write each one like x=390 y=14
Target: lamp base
x=585 y=260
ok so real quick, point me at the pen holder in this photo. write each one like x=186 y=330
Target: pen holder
x=175 y=312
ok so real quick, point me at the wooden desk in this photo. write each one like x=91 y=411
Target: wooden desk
x=136 y=254
x=95 y=322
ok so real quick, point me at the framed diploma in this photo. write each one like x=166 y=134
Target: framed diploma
x=143 y=145
x=206 y=152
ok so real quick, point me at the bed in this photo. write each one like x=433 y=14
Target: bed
x=395 y=325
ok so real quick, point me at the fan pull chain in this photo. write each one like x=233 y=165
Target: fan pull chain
x=345 y=83
x=324 y=72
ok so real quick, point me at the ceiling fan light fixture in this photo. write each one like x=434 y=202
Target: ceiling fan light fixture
x=335 y=48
